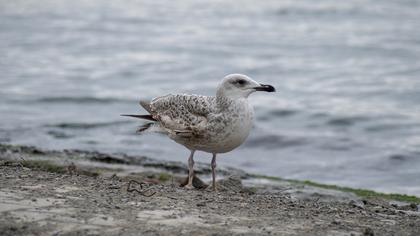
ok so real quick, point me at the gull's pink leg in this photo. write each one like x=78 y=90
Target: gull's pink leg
x=213 y=171
x=190 y=170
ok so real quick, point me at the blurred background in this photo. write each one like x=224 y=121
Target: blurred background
x=347 y=74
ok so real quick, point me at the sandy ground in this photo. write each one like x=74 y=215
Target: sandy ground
x=46 y=201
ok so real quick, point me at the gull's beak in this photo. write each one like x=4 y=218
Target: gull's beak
x=265 y=87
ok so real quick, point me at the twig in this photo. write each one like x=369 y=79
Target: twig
x=141 y=191
x=113 y=176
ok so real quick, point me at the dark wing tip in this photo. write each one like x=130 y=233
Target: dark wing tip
x=146 y=117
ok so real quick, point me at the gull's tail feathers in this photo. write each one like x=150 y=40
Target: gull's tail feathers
x=151 y=127
x=146 y=106
x=146 y=117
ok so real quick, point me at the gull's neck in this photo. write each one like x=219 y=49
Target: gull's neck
x=223 y=102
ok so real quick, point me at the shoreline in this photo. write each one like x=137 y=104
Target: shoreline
x=74 y=192
x=101 y=162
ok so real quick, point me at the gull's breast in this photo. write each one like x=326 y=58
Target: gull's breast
x=229 y=129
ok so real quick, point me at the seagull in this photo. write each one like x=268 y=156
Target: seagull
x=213 y=124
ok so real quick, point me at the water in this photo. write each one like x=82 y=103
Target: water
x=347 y=74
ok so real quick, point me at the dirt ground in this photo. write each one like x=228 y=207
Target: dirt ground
x=36 y=201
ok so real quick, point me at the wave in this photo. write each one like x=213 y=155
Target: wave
x=59 y=135
x=280 y=113
x=274 y=142
x=76 y=125
x=391 y=127
x=346 y=121
x=82 y=100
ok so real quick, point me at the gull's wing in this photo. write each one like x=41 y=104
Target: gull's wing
x=183 y=114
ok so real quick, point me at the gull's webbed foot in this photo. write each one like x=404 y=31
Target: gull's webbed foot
x=196 y=183
x=214 y=187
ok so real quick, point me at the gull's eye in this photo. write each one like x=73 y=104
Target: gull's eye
x=241 y=82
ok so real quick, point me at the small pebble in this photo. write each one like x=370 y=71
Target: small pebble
x=368 y=232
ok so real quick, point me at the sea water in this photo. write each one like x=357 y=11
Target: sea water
x=347 y=74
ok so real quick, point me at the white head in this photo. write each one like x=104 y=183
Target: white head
x=236 y=86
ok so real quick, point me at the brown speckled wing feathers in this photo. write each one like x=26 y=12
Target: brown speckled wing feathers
x=182 y=113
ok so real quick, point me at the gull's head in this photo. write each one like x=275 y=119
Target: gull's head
x=240 y=86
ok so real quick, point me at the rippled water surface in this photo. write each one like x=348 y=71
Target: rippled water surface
x=347 y=73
